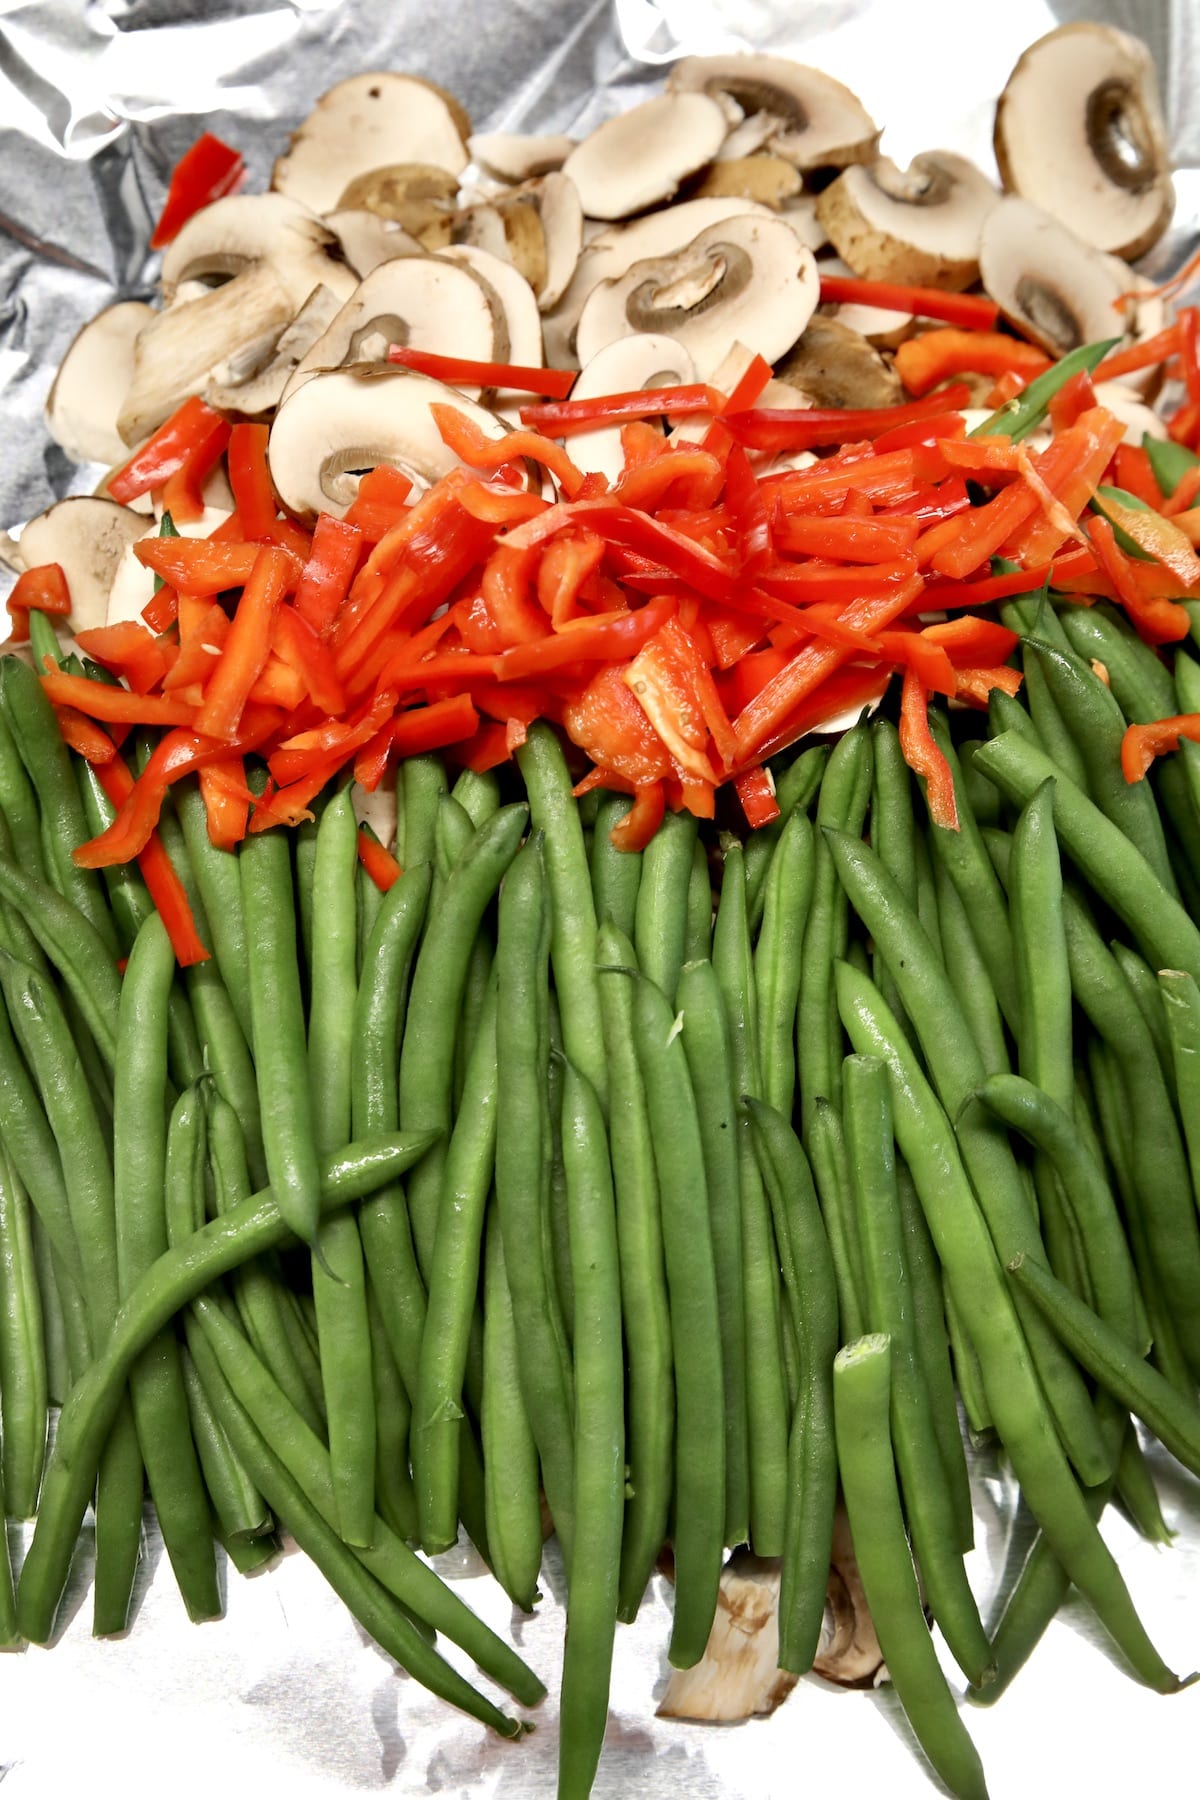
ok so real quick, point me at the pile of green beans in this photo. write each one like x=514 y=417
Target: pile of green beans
x=669 y=1198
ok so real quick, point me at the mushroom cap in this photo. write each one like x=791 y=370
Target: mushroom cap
x=87 y=536
x=368 y=122
x=92 y=381
x=817 y=122
x=516 y=156
x=920 y=225
x=367 y=239
x=260 y=392
x=418 y=196
x=1079 y=131
x=515 y=308
x=640 y=157
x=836 y=366
x=344 y=421
x=1048 y=282
x=642 y=360
x=560 y=209
x=747 y=278
x=226 y=237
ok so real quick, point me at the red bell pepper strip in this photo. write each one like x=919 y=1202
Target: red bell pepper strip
x=300 y=647
x=299 y=754
x=779 y=429
x=1006 y=387
x=127 y=649
x=190 y=426
x=1184 y=427
x=114 y=704
x=1135 y=475
x=1184 y=497
x=933 y=428
x=751 y=514
x=973 y=643
x=227 y=801
x=40 y=589
x=203 y=629
x=328 y=571
x=278 y=684
x=1072 y=400
x=933 y=356
x=206 y=172
x=700 y=476
x=433 y=727
x=847 y=690
x=469 y=444
x=910 y=650
x=381 y=502
x=975 y=685
x=972 y=311
x=643 y=819
x=881 y=479
x=250 y=479
x=378 y=861
x=161 y=612
x=1142 y=743
x=166 y=889
x=746 y=390
x=611 y=640
x=183 y=492
x=922 y=754
x=694 y=564
x=371 y=762
x=246 y=648
x=567 y=566
x=485 y=749
x=461 y=371
x=84 y=736
x=566 y=418
x=1159 y=621
x=197 y=565
x=873 y=540
x=1144 y=355
x=756 y=791
x=610 y=726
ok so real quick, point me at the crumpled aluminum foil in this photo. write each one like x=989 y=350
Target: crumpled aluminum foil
x=98 y=98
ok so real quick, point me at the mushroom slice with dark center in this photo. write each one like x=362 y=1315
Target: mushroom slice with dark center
x=816 y=122
x=639 y=158
x=342 y=422
x=1079 y=131
x=513 y=156
x=836 y=366
x=226 y=238
x=367 y=240
x=920 y=225
x=748 y=278
x=644 y=360
x=421 y=302
x=1048 y=282
x=369 y=122
x=416 y=196
x=92 y=381
x=87 y=536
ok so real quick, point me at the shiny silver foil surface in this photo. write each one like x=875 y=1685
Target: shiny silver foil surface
x=98 y=99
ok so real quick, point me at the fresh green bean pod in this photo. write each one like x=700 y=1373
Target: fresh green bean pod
x=795 y=788
x=661 y=920
x=220 y=888
x=19 y=804
x=420 y=785
x=616 y=874
x=510 y=1461
x=969 y=867
x=969 y=975
x=827 y=1151
x=23 y=1389
x=787 y=898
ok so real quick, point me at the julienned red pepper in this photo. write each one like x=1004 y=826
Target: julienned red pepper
x=922 y=754
x=246 y=647
x=1142 y=743
x=191 y=426
x=381 y=501
x=973 y=643
x=972 y=311
x=432 y=727
x=873 y=540
x=115 y=705
x=166 y=889
x=378 y=861
x=778 y=430
x=464 y=437
x=298 y=644
x=183 y=492
x=84 y=736
x=924 y=361
x=227 y=801
x=206 y=172
x=127 y=649
x=1159 y=621
x=610 y=640
x=250 y=479
x=756 y=791
x=460 y=370
x=567 y=418
x=643 y=819
x=328 y=571
x=41 y=589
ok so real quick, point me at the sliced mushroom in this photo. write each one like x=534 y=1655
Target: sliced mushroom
x=1080 y=132
x=262 y=391
x=1054 y=287
x=537 y=227
x=555 y=198
x=852 y=1657
x=416 y=196
x=345 y=421
x=836 y=366
x=738 y=1677
x=627 y=365
x=235 y=329
x=639 y=158
x=87 y=538
x=763 y=177
x=92 y=381
x=423 y=302
x=748 y=278
x=1122 y=400
x=369 y=122
x=816 y=122
x=481 y=227
x=228 y=237
x=917 y=225
x=519 y=331
x=367 y=240
x=512 y=156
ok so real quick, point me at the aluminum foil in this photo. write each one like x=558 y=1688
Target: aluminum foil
x=98 y=98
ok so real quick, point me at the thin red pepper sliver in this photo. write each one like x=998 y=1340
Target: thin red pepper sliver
x=377 y=860
x=1142 y=743
x=250 y=479
x=566 y=418
x=756 y=791
x=246 y=648
x=206 y=172
x=40 y=589
x=166 y=889
x=779 y=429
x=555 y=383
x=169 y=448
x=973 y=311
x=433 y=727
x=924 y=361
x=922 y=754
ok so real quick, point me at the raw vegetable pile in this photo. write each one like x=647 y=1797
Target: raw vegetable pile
x=671 y=1128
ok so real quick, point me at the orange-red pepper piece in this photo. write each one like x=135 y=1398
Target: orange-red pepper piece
x=169 y=448
x=922 y=754
x=40 y=589
x=246 y=648
x=377 y=860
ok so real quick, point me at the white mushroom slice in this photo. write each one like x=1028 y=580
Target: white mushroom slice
x=753 y=134
x=763 y=177
x=416 y=196
x=343 y=422
x=263 y=390
x=482 y=227
x=1080 y=132
x=917 y=225
x=836 y=366
x=817 y=123
x=224 y=239
x=885 y=327
x=87 y=537
x=738 y=1677
x=512 y=156
x=130 y=592
x=627 y=365
x=639 y=158
x=422 y=302
x=852 y=1656
x=234 y=328
x=92 y=382
x=1127 y=404
x=368 y=240
x=556 y=200
x=1048 y=282
x=801 y=215
x=368 y=122
x=749 y=278
x=514 y=306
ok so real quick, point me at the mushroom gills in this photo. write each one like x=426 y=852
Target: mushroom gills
x=811 y=119
x=370 y=121
x=836 y=366
x=1048 y=282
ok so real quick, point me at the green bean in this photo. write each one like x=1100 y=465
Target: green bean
x=381 y=1001
x=420 y=785
x=1040 y=948
x=698 y=939
x=220 y=888
x=984 y=800
x=240 y=1509
x=956 y=1068
x=862 y=1375
x=893 y=827
x=695 y=1323
x=478 y=795
x=660 y=927
x=1113 y=866
x=1169 y=461
x=928 y=1503
x=966 y=861
x=1025 y=412
x=34 y=728
x=395 y=1497
x=1138 y=1494
x=23 y=1393
x=304 y=842
x=933 y=1353
x=453 y=1286
x=556 y=1228
x=453 y=830
x=475 y=992
x=842 y=803
x=79 y=952
x=510 y=1463
x=599 y=1438
x=440 y=970
x=812 y=1460
x=64 y=1317
x=1142 y=983
x=967 y=1371
x=19 y=805
x=1140 y=682
x=795 y=787
x=968 y=974
x=1029 y=616
x=368 y=906
x=710 y=1063
x=1014 y=1396
x=827 y=1150
x=616 y=874
x=160 y=1408
x=766 y=1397
x=777 y=959
x=30 y=1142
x=1181 y=1004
